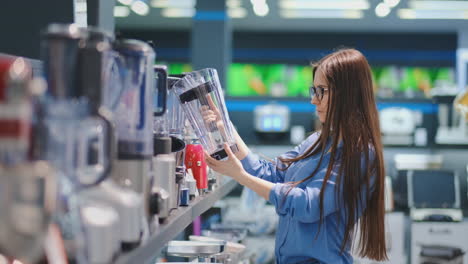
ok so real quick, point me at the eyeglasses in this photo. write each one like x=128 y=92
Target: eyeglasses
x=317 y=91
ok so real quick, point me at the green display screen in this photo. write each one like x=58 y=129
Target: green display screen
x=275 y=80
x=393 y=80
x=284 y=80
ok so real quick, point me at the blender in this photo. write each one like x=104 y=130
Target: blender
x=27 y=187
x=99 y=79
x=65 y=109
x=133 y=116
x=176 y=119
x=80 y=139
x=165 y=189
x=199 y=91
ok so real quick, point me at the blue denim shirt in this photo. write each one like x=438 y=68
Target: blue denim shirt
x=299 y=214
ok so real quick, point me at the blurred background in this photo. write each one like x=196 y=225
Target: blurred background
x=263 y=50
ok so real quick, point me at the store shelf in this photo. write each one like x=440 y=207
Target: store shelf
x=303 y=105
x=178 y=220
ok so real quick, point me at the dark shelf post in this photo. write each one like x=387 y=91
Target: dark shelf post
x=212 y=38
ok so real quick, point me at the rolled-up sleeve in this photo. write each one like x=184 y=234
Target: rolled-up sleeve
x=302 y=204
x=272 y=171
x=263 y=169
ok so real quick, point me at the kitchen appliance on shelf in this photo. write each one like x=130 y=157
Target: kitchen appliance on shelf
x=133 y=116
x=195 y=161
x=441 y=254
x=453 y=119
x=439 y=242
x=202 y=251
x=101 y=225
x=424 y=205
x=201 y=91
x=272 y=118
x=398 y=125
x=180 y=135
x=83 y=74
x=164 y=191
x=169 y=147
x=234 y=253
x=27 y=186
x=102 y=85
x=69 y=133
x=405 y=162
x=177 y=131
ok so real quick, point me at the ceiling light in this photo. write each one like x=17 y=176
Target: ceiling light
x=121 y=11
x=80 y=7
x=432 y=14
x=159 y=3
x=345 y=14
x=258 y=2
x=178 y=12
x=392 y=3
x=125 y=2
x=331 y=4
x=140 y=8
x=172 y=3
x=382 y=10
x=233 y=3
x=261 y=9
x=238 y=12
x=439 y=5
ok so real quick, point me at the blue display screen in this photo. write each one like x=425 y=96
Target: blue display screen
x=434 y=189
x=271 y=123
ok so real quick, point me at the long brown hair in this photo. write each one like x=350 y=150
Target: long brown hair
x=353 y=114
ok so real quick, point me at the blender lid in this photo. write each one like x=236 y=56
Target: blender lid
x=15 y=72
x=177 y=144
x=172 y=79
x=98 y=35
x=134 y=45
x=162 y=145
x=194 y=93
x=71 y=31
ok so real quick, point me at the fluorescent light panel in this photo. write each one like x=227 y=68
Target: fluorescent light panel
x=331 y=4
x=261 y=9
x=382 y=9
x=405 y=13
x=345 y=14
x=233 y=3
x=392 y=3
x=121 y=11
x=439 y=5
x=125 y=2
x=177 y=12
x=140 y=8
x=80 y=7
x=173 y=3
x=238 y=12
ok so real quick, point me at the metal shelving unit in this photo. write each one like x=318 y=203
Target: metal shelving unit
x=178 y=220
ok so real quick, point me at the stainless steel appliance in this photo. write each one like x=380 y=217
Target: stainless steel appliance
x=134 y=112
x=27 y=187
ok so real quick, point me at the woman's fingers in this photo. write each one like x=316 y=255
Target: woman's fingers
x=228 y=150
x=213 y=106
x=210 y=160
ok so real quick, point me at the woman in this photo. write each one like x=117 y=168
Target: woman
x=332 y=180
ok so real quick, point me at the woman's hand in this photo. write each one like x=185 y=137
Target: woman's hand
x=231 y=167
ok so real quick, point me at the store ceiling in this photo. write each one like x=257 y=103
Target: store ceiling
x=304 y=15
